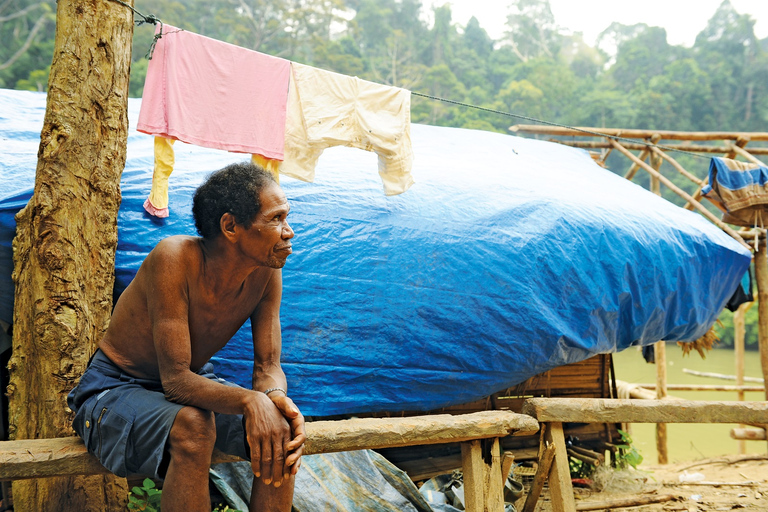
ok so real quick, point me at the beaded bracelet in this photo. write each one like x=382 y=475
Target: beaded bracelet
x=270 y=390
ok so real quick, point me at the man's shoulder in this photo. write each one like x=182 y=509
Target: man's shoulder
x=177 y=250
x=177 y=244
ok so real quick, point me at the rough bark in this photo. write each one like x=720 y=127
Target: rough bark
x=66 y=239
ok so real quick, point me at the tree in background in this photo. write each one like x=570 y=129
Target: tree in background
x=25 y=42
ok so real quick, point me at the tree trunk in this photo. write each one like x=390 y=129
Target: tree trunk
x=65 y=242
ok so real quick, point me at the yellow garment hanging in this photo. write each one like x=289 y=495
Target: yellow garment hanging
x=157 y=202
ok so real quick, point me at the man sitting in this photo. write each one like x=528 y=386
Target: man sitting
x=149 y=402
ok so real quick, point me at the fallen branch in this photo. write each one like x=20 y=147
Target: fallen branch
x=746 y=483
x=626 y=502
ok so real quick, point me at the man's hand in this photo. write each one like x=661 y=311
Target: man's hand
x=268 y=432
x=295 y=448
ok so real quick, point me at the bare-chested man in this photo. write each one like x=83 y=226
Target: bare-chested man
x=149 y=403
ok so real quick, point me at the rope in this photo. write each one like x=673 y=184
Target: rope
x=150 y=19
x=551 y=123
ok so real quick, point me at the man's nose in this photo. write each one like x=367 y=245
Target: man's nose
x=287 y=231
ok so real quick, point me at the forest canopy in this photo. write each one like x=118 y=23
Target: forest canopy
x=632 y=77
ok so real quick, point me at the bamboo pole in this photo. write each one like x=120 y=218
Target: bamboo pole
x=720 y=375
x=739 y=332
x=741 y=141
x=682 y=193
x=637 y=146
x=697 y=195
x=677 y=166
x=635 y=134
x=748 y=434
x=746 y=154
x=705 y=387
x=636 y=167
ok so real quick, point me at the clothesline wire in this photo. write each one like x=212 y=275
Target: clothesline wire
x=154 y=20
x=559 y=125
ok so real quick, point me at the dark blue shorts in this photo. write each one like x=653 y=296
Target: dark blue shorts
x=125 y=421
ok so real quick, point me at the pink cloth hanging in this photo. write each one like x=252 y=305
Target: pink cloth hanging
x=216 y=95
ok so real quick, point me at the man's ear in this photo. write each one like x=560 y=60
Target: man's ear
x=228 y=226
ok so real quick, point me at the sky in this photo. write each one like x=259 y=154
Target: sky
x=683 y=19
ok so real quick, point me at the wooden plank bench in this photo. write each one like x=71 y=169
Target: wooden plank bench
x=483 y=481
x=553 y=412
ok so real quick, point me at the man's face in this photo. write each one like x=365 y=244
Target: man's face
x=268 y=240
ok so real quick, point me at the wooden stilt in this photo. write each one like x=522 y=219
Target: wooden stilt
x=660 y=348
x=739 y=332
x=483 y=485
x=660 y=354
x=472 y=466
x=761 y=276
x=494 y=484
x=560 y=487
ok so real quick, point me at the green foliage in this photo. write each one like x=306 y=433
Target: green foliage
x=632 y=78
x=627 y=454
x=580 y=469
x=145 y=498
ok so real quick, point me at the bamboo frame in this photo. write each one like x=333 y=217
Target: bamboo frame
x=635 y=134
x=681 y=193
x=636 y=146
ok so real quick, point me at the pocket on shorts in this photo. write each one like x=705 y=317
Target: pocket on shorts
x=106 y=422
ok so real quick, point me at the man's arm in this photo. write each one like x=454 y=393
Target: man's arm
x=268 y=374
x=168 y=307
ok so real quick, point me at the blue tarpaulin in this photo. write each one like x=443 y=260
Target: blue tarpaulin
x=508 y=257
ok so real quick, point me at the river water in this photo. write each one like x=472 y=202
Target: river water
x=688 y=441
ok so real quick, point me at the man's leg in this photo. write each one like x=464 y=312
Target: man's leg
x=268 y=498
x=190 y=446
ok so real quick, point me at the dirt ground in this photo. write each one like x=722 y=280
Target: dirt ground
x=726 y=483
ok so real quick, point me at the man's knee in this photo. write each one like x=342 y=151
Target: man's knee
x=193 y=433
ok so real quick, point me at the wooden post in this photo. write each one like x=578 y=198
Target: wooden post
x=494 y=482
x=560 y=487
x=660 y=348
x=483 y=485
x=761 y=276
x=660 y=354
x=472 y=466
x=739 y=331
